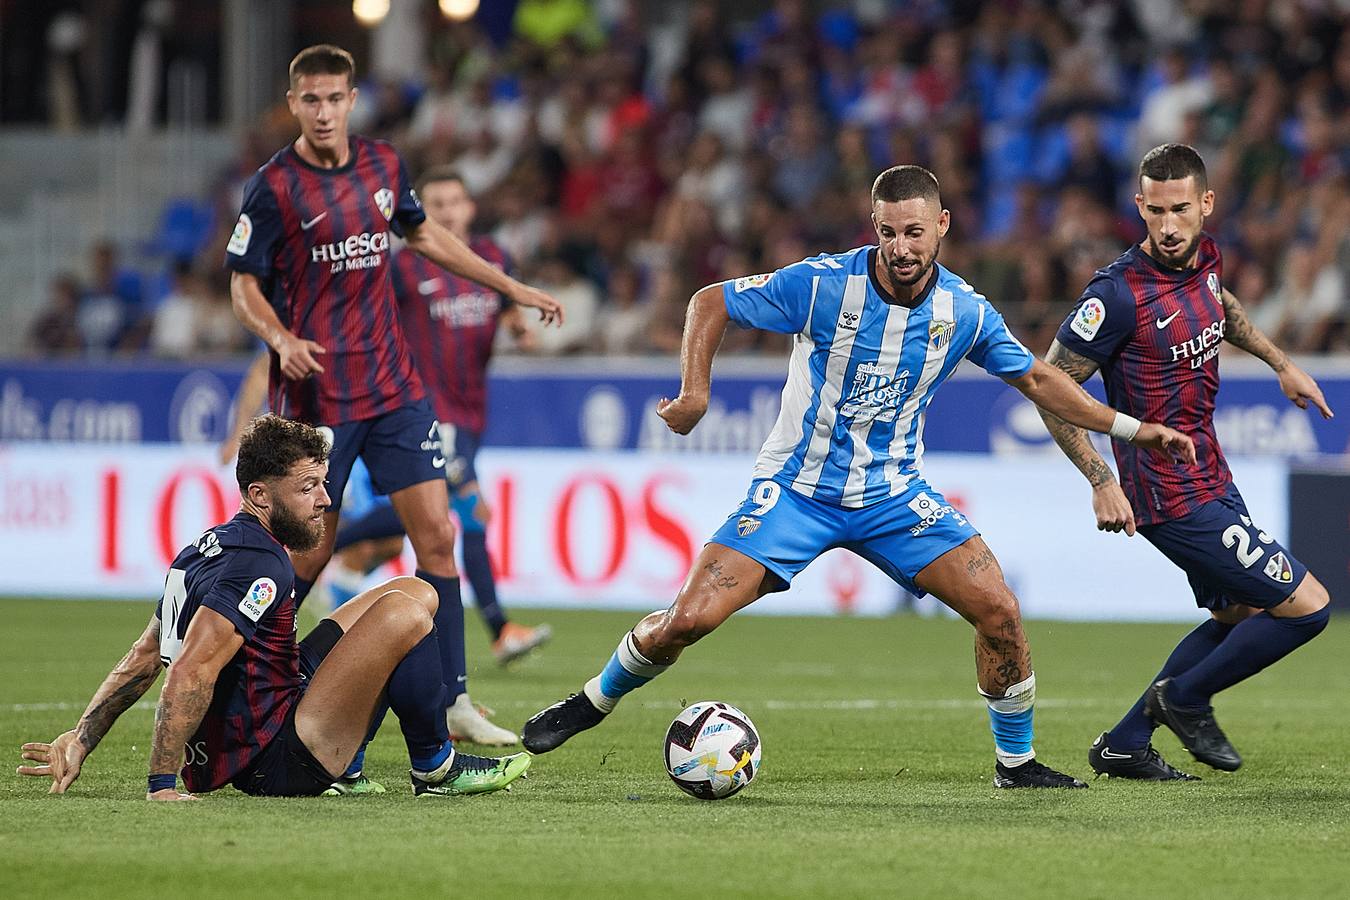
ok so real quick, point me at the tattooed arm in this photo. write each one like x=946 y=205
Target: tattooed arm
x=1297 y=385
x=209 y=644
x=1108 y=500
x=125 y=684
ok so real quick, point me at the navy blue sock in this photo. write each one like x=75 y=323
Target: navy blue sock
x=302 y=588
x=417 y=696
x=1254 y=644
x=1134 y=731
x=450 y=634
x=478 y=569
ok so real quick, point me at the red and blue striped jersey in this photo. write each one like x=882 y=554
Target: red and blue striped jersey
x=318 y=239
x=1156 y=332
x=451 y=323
x=239 y=571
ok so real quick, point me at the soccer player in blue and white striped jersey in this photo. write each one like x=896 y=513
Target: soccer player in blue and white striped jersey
x=876 y=331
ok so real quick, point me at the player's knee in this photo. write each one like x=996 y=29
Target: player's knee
x=405 y=615
x=994 y=606
x=680 y=627
x=418 y=590
x=1310 y=597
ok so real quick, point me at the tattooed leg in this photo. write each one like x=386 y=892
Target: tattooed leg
x=969 y=580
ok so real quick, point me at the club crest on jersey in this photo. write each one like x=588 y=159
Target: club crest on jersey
x=746 y=526
x=1213 y=282
x=258 y=597
x=752 y=281
x=1087 y=321
x=384 y=202
x=940 y=333
x=1278 y=569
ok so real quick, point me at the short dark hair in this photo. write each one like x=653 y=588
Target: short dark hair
x=905 y=183
x=436 y=174
x=1172 y=162
x=271 y=445
x=323 y=59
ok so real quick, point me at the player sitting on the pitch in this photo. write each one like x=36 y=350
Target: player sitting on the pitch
x=1153 y=322
x=245 y=703
x=877 y=330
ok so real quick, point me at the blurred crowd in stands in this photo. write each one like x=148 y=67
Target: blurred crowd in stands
x=624 y=160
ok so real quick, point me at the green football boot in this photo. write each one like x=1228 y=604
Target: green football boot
x=465 y=774
x=357 y=784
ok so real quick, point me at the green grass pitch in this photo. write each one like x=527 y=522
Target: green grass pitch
x=875 y=780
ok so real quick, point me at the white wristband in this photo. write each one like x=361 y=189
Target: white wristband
x=1124 y=428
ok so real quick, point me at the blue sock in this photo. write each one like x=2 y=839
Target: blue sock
x=1010 y=718
x=302 y=588
x=478 y=569
x=1253 y=644
x=417 y=696
x=1134 y=731
x=450 y=634
x=626 y=670
x=358 y=763
x=433 y=761
x=380 y=522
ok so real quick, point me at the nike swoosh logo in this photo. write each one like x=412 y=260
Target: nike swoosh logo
x=429 y=286
x=1107 y=754
x=1163 y=323
x=438 y=462
x=306 y=226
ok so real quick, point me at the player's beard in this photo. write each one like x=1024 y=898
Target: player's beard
x=1173 y=259
x=293 y=531
x=920 y=271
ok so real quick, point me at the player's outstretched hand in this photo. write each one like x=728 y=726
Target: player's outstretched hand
x=550 y=310
x=1112 y=509
x=1166 y=440
x=682 y=413
x=60 y=761
x=170 y=795
x=1300 y=388
x=299 y=358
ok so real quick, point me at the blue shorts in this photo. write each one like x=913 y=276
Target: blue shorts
x=784 y=530
x=400 y=448
x=462 y=446
x=1227 y=559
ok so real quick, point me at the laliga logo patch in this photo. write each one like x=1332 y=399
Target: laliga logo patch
x=752 y=281
x=940 y=333
x=1088 y=319
x=384 y=202
x=747 y=526
x=923 y=505
x=1278 y=569
x=258 y=597
x=243 y=231
x=1213 y=282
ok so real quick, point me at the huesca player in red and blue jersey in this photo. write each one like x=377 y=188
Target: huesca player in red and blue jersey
x=243 y=703
x=1153 y=323
x=451 y=323
x=310 y=261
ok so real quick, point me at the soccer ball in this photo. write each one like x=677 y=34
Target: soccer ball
x=712 y=750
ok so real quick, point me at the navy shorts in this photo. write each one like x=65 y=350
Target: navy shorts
x=901 y=535
x=400 y=448
x=286 y=767
x=461 y=446
x=1227 y=559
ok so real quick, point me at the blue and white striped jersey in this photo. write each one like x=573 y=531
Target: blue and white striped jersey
x=863 y=370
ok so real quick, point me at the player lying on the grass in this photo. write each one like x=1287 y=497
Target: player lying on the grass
x=243 y=702
x=877 y=330
x=1153 y=322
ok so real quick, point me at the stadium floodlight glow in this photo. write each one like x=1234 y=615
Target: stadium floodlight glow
x=458 y=10
x=370 y=12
